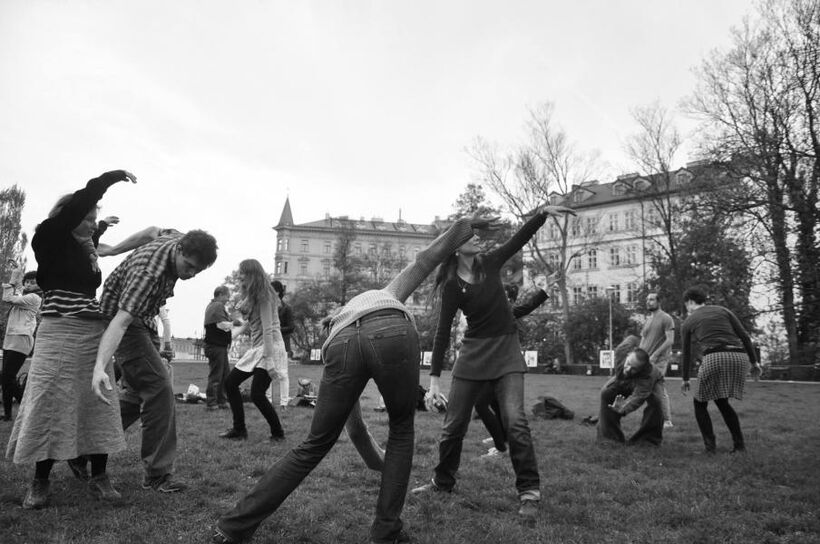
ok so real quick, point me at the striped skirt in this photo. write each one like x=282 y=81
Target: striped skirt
x=722 y=375
x=60 y=417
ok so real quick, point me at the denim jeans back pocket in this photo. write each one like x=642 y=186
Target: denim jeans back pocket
x=391 y=346
x=336 y=357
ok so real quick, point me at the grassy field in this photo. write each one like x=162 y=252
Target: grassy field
x=590 y=493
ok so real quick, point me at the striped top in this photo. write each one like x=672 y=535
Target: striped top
x=61 y=303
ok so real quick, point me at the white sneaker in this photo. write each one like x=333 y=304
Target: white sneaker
x=667 y=424
x=487 y=441
x=492 y=453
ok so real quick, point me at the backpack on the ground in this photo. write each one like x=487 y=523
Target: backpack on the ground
x=551 y=408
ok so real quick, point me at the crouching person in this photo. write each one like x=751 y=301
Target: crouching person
x=642 y=382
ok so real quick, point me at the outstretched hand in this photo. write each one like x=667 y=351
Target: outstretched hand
x=618 y=404
x=111 y=220
x=486 y=223
x=549 y=209
x=122 y=175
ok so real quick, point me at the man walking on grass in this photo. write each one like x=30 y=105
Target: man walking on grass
x=657 y=336
x=217 y=342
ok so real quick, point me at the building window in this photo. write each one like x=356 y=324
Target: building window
x=386 y=250
x=357 y=250
x=592 y=291
x=577 y=295
x=631 y=293
x=631 y=254
x=278 y=268
x=652 y=217
x=615 y=256
x=613 y=222
x=305 y=246
x=282 y=244
x=552 y=259
x=630 y=220
x=592 y=225
x=616 y=293
x=592 y=258
x=552 y=230
x=372 y=250
x=576 y=263
x=303 y=268
x=328 y=247
x=402 y=252
x=575 y=228
x=326 y=268
x=284 y=267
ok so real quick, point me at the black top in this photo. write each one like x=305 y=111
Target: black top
x=528 y=306
x=484 y=304
x=62 y=263
x=713 y=328
x=286 y=326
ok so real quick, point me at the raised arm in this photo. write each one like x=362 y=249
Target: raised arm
x=527 y=231
x=134 y=241
x=82 y=201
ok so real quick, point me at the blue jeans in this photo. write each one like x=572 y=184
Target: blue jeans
x=382 y=347
x=509 y=390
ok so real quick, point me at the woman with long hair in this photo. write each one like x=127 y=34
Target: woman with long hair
x=728 y=354
x=259 y=305
x=59 y=417
x=490 y=355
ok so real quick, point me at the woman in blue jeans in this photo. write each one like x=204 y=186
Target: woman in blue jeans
x=373 y=336
x=490 y=355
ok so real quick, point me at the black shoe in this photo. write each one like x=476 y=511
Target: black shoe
x=739 y=449
x=221 y=538
x=37 y=494
x=234 y=434
x=280 y=437
x=163 y=484
x=401 y=538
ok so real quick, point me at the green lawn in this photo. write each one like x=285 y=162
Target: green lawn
x=591 y=493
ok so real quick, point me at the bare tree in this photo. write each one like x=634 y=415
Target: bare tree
x=760 y=106
x=547 y=164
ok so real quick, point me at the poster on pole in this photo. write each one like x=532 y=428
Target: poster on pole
x=316 y=354
x=606 y=358
x=426 y=357
x=531 y=358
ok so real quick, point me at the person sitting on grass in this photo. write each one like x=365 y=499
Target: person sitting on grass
x=639 y=379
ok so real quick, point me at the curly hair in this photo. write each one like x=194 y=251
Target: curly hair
x=199 y=245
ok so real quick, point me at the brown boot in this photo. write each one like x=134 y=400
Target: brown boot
x=37 y=494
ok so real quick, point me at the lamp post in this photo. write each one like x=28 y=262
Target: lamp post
x=609 y=290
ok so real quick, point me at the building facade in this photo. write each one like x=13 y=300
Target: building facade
x=619 y=224
x=304 y=252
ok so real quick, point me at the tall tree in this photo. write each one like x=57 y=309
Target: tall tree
x=759 y=103
x=548 y=163
x=12 y=243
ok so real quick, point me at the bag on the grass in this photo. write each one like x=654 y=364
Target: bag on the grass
x=551 y=408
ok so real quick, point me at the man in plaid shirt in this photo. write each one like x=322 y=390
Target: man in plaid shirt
x=131 y=298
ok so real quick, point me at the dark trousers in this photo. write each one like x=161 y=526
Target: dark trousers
x=12 y=363
x=609 y=421
x=488 y=411
x=148 y=396
x=218 y=369
x=509 y=390
x=260 y=383
x=386 y=349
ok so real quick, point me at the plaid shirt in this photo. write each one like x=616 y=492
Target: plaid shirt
x=141 y=283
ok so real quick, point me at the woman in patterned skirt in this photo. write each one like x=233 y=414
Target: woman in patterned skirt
x=727 y=356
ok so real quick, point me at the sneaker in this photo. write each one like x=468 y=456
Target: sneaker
x=428 y=487
x=401 y=538
x=234 y=434
x=667 y=424
x=528 y=511
x=492 y=453
x=163 y=484
x=221 y=538
x=101 y=489
x=79 y=467
x=37 y=494
x=487 y=441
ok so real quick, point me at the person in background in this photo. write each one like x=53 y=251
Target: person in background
x=657 y=336
x=286 y=327
x=131 y=299
x=59 y=417
x=266 y=354
x=20 y=328
x=217 y=341
x=727 y=351
x=634 y=383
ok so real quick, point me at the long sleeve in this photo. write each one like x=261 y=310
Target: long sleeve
x=429 y=258
x=286 y=319
x=83 y=201
x=528 y=306
x=686 y=357
x=743 y=335
x=519 y=239
x=644 y=387
x=266 y=319
x=449 y=307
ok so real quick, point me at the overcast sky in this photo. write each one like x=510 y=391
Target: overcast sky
x=223 y=108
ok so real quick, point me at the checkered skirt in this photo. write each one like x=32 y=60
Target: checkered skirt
x=722 y=375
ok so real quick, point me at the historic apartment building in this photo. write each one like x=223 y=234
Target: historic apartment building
x=305 y=252
x=618 y=224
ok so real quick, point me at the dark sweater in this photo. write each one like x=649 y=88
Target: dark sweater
x=484 y=304
x=62 y=263
x=713 y=328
